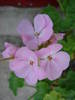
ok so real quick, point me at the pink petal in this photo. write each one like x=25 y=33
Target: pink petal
x=42 y=53
x=48 y=20
x=41 y=74
x=25 y=27
x=33 y=44
x=59 y=36
x=43 y=64
x=19 y=67
x=53 y=71
x=25 y=54
x=43 y=25
x=54 y=48
x=32 y=76
x=50 y=50
x=39 y=22
x=62 y=59
x=16 y=64
x=23 y=72
x=45 y=34
x=26 y=38
x=6 y=44
x=9 y=51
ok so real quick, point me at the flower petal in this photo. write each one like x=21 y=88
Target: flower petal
x=39 y=23
x=33 y=44
x=26 y=38
x=32 y=76
x=54 y=48
x=41 y=74
x=62 y=59
x=45 y=34
x=59 y=36
x=25 y=29
x=9 y=51
x=16 y=64
x=18 y=67
x=25 y=54
x=48 y=20
x=6 y=44
x=43 y=53
x=53 y=71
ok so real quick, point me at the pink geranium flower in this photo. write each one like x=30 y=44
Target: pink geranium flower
x=25 y=65
x=53 y=61
x=56 y=37
x=42 y=31
x=9 y=51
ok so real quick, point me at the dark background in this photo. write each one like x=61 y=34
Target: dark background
x=27 y=3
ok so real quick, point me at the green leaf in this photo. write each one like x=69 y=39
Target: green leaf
x=68 y=82
x=64 y=4
x=15 y=83
x=63 y=21
x=42 y=89
x=54 y=15
x=69 y=8
x=67 y=95
x=53 y=95
x=69 y=45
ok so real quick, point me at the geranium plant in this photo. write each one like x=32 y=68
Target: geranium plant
x=42 y=60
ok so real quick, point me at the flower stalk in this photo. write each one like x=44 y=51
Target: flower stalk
x=5 y=59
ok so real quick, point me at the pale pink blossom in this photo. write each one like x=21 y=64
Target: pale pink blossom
x=40 y=33
x=59 y=36
x=25 y=65
x=9 y=51
x=56 y=37
x=53 y=61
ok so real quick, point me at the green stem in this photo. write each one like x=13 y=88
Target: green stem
x=60 y=5
x=30 y=86
x=31 y=97
x=4 y=59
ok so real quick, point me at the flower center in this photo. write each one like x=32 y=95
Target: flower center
x=49 y=58
x=31 y=63
x=36 y=34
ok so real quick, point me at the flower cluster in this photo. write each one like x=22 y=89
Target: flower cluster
x=41 y=57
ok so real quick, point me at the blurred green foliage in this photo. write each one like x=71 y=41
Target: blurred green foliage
x=65 y=90
x=64 y=18
x=68 y=82
x=69 y=45
x=15 y=83
x=53 y=95
x=42 y=89
x=64 y=21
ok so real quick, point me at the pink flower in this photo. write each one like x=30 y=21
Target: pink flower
x=9 y=51
x=56 y=37
x=25 y=65
x=42 y=31
x=59 y=36
x=53 y=61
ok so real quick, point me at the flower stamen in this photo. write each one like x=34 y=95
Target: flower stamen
x=31 y=63
x=36 y=34
x=49 y=58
